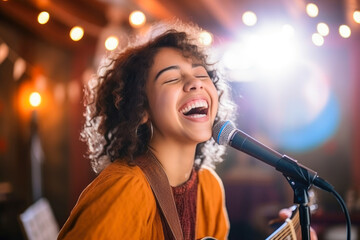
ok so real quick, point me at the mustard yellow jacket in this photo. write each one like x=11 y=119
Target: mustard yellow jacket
x=119 y=204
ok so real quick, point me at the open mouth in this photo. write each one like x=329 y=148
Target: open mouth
x=195 y=109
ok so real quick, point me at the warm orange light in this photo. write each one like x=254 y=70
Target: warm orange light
x=30 y=98
x=23 y=99
x=111 y=43
x=137 y=19
x=205 y=38
x=35 y=99
x=43 y=17
x=76 y=33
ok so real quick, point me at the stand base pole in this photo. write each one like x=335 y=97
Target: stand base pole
x=304 y=211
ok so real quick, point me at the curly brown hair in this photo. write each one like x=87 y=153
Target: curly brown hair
x=117 y=102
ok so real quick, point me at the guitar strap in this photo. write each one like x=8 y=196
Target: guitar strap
x=161 y=188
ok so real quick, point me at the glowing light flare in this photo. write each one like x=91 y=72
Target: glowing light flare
x=314 y=134
x=356 y=16
x=35 y=99
x=288 y=31
x=315 y=91
x=28 y=99
x=76 y=33
x=344 y=31
x=111 y=43
x=317 y=39
x=239 y=56
x=137 y=19
x=312 y=10
x=43 y=17
x=274 y=51
x=323 y=29
x=249 y=18
x=303 y=108
x=205 y=38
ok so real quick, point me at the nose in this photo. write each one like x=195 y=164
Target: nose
x=192 y=84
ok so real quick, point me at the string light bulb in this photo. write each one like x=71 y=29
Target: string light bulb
x=249 y=18
x=76 y=33
x=356 y=16
x=312 y=10
x=35 y=99
x=317 y=39
x=344 y=31
x=43 y=17
x=137 y=19
x=205 y=38
x=323 y=29
x=111 y=43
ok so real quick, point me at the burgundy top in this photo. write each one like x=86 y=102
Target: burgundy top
x=185 y=197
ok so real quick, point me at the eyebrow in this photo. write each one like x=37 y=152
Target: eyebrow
x=166 y=69
x=174 y=67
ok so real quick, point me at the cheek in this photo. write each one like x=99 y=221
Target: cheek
x=164 y=103
x=163 y=111
x=215 y=98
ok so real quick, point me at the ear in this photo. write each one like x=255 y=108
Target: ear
x=145 y=118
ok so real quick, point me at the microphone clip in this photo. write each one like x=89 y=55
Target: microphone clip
x=294 y=172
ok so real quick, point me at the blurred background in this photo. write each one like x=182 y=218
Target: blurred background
x=293 y=68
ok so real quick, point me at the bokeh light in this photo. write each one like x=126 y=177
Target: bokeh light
x=356 y=16
x=344 y=31
x=206 y=38
x=288 y=31
x=35 y=99
x=76 y=33
x=137 y=19
x=317 y=39
x=43 y=17
x=312 y=10
x=249 y=18
x=323 y=29
x=111 y=43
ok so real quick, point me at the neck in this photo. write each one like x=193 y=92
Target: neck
x=177 y=160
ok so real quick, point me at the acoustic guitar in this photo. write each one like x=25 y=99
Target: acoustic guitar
x=290 y=229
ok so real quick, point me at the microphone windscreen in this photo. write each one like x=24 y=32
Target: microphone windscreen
x=222 y=131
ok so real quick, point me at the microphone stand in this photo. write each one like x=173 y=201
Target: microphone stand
x=300 y=179
x=301 y=197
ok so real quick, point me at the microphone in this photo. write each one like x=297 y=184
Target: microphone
x=225 y=133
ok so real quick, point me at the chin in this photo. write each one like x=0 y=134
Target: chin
x=203 y=138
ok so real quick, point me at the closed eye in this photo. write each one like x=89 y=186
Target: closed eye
x=202 y=76
x=171 y=81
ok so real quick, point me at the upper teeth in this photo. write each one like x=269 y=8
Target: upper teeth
x=196 y=104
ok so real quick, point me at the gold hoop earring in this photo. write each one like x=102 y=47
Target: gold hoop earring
x=136 y=131
x=151 y=130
